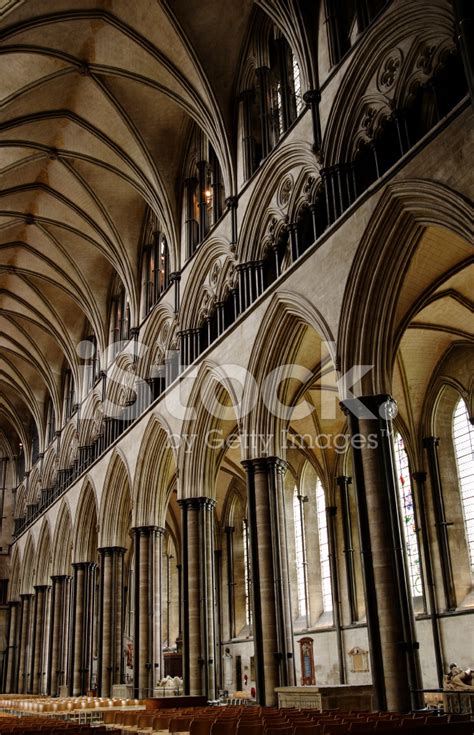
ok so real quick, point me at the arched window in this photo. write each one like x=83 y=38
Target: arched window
x=119 y=318
x=245 y=541
x=323 y=548
x=345 y=20
x=463 y=438
x=408 y=517
x=50 y=422
x=203 y=191
x=69 y=395
x=156 y=265
x=90 y=360
x=300 y=556
x=272 y=100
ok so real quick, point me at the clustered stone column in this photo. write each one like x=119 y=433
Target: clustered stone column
x=343 y=483
x=25 y=615
x=11 y=680
x=110 y=643
x=147 y=643
x=390 y=619
x=229 y=533
x=39 y=621
x=58 y=633
x=198 y=617
x=431 y=444
x=80 y=665
x=272 y=619
x=420 y=479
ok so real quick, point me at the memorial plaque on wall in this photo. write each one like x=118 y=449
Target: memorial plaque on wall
x=308 y=676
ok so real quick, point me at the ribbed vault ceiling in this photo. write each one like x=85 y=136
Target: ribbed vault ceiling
x=97 y=102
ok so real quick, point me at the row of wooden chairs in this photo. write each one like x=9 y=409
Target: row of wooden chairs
x=37 y=725
x=227 y=721
x=29 y=703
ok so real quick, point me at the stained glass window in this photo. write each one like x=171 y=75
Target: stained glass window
x=299 y=553
x=408 y=516
x=245 y=540
x=463 y=437
x=297 y=86
x=324 y=548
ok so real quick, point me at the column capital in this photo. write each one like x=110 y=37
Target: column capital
x=13 y=603
x=148 y=530
x=312 y=96
x=26 y=595
x=112 y=550
x=343 y=481
x=197 y=503
x=263 y=464
x=60 y=577
x=229 y=530
x=175 y=276
x=331 y=510
x=232 y=202
x=41 y=587
x=370 y=407
x=76 y=565
x=419 y=476
x=430 y=441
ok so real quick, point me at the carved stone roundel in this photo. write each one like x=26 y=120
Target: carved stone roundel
x=284 y=191
x=389 y=71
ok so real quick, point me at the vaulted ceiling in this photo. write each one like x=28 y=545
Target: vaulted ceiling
x=97 y=102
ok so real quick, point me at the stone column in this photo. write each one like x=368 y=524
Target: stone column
x=431 y=443
x=80 y=663
x=313 y=98
x=25 y=632
x=110 y=643
x=390 y=619
x=39 y=622
x=147 y=666
x=331 y=516
x=198 y=617
x=229 y=533
x=420 y=479
x=57 y=634
x=272 y=619
x=263 y=76
x=11 y=682
x=343 y=484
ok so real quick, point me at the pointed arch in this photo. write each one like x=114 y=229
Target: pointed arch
x=44 y=559
x=361 y=82
x=50 y=468
x=116 y=505
x=34 y=486
x=69 y=446
x=289 y=160
x=15 y=574
x=292 y=332
x=62 y=542
x=156 y=340
x=152 y=482
x=20 y=501
x=85 y=525
x=91 y=415
x=28 y=567
x=217 y=251
x=368 y=332
x=212 y=415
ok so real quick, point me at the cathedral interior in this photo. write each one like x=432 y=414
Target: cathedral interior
x=236 y=346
